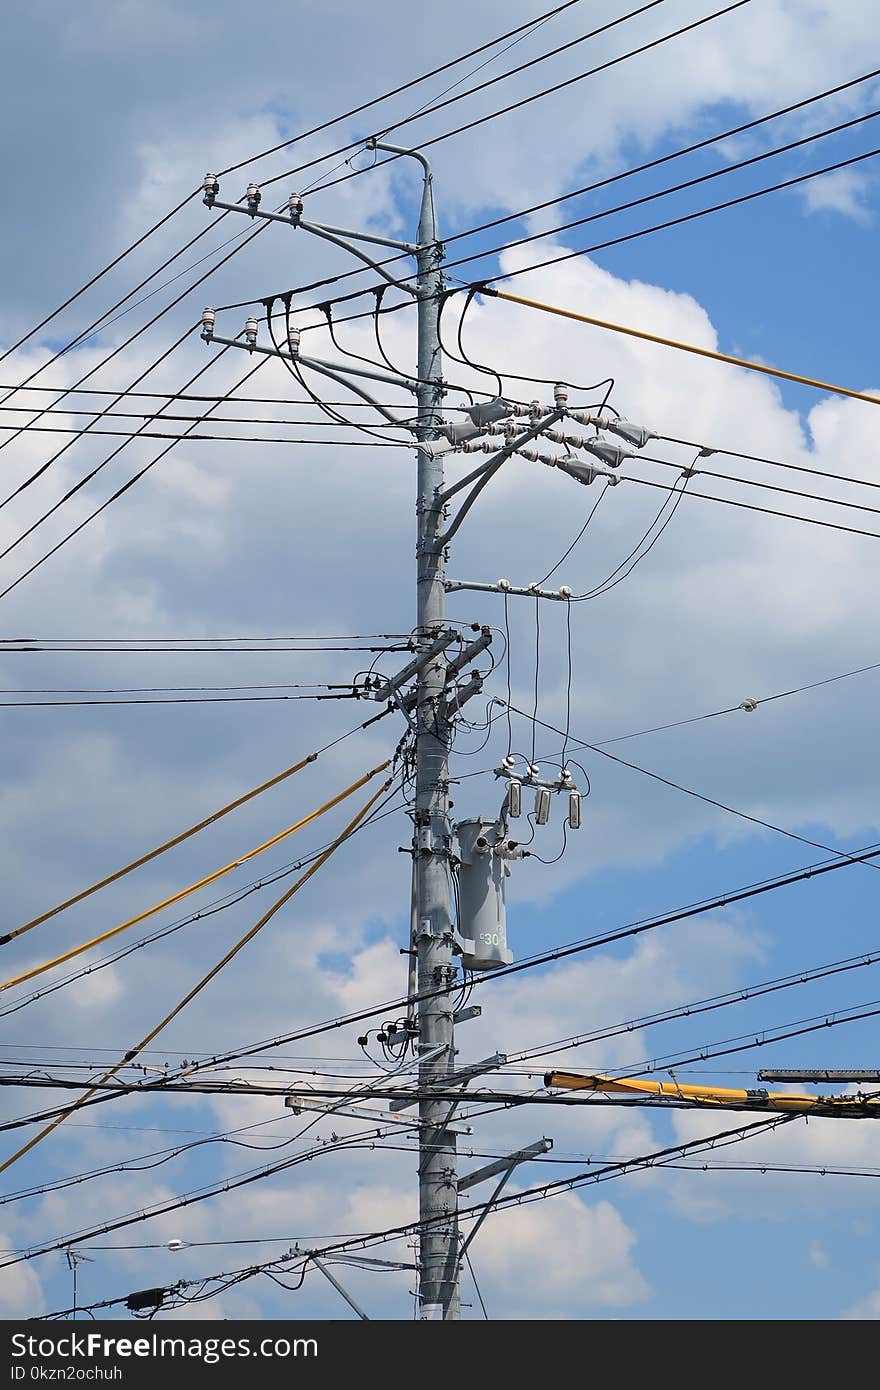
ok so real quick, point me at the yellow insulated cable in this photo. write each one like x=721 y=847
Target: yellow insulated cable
x=154 y=853
x=193 y=887
x=681 y=347
x=205 y=980
x=713 y=1095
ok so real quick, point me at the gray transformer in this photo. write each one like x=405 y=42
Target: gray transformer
x=482 y=925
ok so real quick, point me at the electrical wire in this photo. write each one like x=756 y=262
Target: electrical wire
x=753 y=507
x=686 y=791
x=114 y=496
x=396 y=91
x=590 y=514
x=722 y=1138
x=230 y=899
x=182 y=893
x=256 y=231
x=536 y=96
x=709 y=1004
x=144 y=433
x=717 y=138
x=693 y=471
x=206 y=979
x=97 y=276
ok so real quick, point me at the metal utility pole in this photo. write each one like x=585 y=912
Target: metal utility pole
x=438 y=1160
x=482 y=847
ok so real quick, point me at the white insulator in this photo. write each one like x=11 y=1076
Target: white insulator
x=293 y=342
x=295 y=205
x=253 y=196
x=560 y=394
x=208 y=318
x=250 y=332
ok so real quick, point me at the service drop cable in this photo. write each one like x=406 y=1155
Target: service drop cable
x=681 y=347
x=192 y=887
x=206 y=979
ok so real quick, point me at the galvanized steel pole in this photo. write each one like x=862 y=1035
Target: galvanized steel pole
x=438 y=1161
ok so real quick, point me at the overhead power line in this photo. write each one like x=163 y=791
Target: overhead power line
x=704 y=144
x=536 y=21
x=535 y=96
x=267 y=916
x=676 y=786
x=710 y=353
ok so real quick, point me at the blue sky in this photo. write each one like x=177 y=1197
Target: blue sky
x=116 y=119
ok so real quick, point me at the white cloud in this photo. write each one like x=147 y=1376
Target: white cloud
x=844 y=191
x=21 y=1294
x=818 y=1255
x=558 y=1259
x=867 y=1309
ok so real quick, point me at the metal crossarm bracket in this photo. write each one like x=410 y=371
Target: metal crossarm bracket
x=455 y=1078
x=420 y=660
x=503 y=1165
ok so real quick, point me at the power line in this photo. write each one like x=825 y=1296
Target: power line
x=618 y=1168
x=679 y=787
x=431 y=110
x=396 y=91
x=717 y=138
x=114 y=496
x=215 y=438
x=98 y=275
x=537 y=96
x=754 y=507
x=700 y=1006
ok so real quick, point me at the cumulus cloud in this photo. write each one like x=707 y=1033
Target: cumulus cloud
x=843 y=191
x=221 y=538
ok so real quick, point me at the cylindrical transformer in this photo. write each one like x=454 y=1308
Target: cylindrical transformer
x=482 y=923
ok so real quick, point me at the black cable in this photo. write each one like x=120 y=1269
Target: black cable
x=169 y=700
x=634 y=559
x=294 y=368
x=688 y=791
x=753 y=507
x=687 y=217
x=706 y=143
x=114 y=496
x=701 y=1006
x=706 y=450
x=514 y=376
x=619 y=1168
x=536 y=96
x=144 y=433
x=20 y=430
x=484 y=285
x=97 y=276
x=765 y=487
x=187 y=419
x=591 y=513
x=746 y=1042
x=669 y=191
x=396 y=91
x=131 y=338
